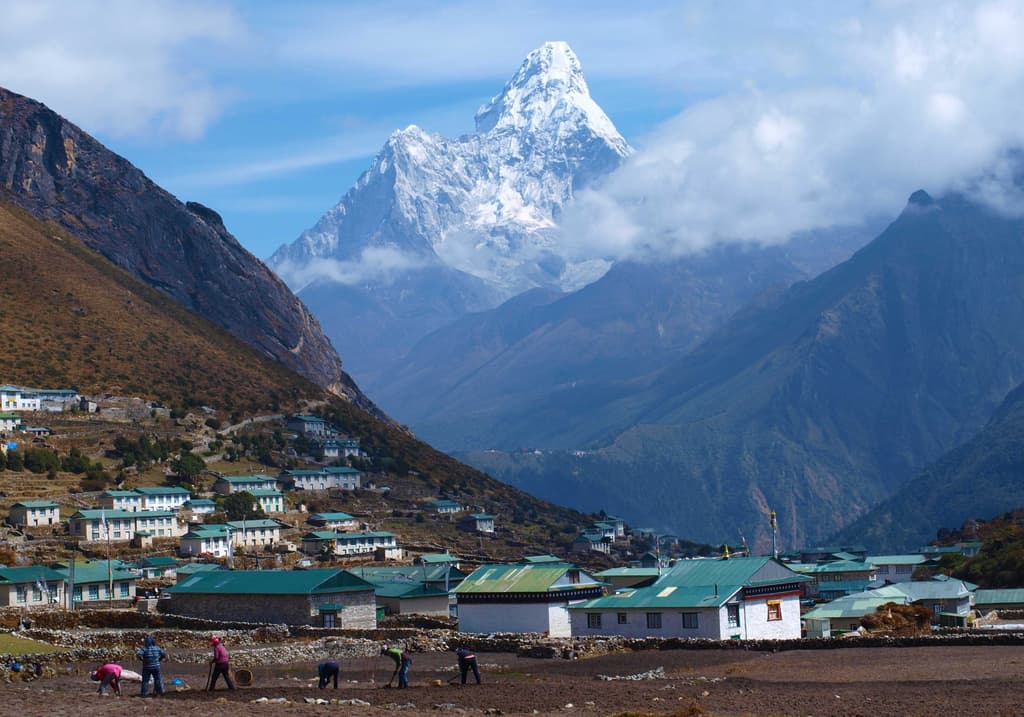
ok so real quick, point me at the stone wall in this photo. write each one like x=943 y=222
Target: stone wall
x=359 y=608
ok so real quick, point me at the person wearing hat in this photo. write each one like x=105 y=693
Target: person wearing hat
x=108 y=674
x=151 y=655
x=220 y=665
x=326 y=670
x=403 y=660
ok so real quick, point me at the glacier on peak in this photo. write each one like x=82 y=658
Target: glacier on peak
x=485 y=204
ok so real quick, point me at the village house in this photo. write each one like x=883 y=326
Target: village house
x=163 y=497
x=207 y=540
x=34 y=513
x=895 y=568
x=310 y=426
x=843 y=614
x=31 y=586
x=949 y=600
x=126 y=500
x=10 y=422
x=478 y=523
x=436 y=559
x=405 y=589
x=592 y=541
x=270 y=500
x=339 y=477
x=999 y=599
x=336 y=448
x=729 y=598
x=618 y=523
x=189 y=569
x=522 y=598
x=835 y=579
x=199 y=507
x=225 y=485
x=156 y=567
x=97 y=584
x=382 y=545
x=444 y=506
x=336 y=521
x=122 y=525
x=328 y=597
x=18 y=398
x=255 y=533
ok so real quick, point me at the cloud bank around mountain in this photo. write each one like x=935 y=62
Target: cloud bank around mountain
x=926 y=97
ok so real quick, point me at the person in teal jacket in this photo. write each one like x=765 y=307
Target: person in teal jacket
x=403 y=661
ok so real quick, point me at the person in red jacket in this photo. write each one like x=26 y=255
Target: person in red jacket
x=108 y=674
x=220 y=665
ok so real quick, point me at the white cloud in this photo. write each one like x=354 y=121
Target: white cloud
x=929 y=96
x=127 y=68
x=377 y=265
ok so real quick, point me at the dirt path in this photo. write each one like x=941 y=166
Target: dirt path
x=848 y=682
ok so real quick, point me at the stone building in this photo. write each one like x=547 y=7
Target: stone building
x=327 y=597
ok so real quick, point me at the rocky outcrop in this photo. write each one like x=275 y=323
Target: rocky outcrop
x=57 y=172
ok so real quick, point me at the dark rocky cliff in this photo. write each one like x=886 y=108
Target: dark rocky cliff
x=57 y=172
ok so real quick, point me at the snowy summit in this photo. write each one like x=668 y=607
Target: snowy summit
x=485 y=204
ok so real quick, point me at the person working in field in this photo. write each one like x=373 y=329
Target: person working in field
x=151 y=655
x=108 y=674
x=403 y=661
x=326 y=670
x=220 y=665
x=467 y=662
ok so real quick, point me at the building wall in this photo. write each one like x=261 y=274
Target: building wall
x=709 y=623
x=503 y=617
x=34 y=517
x=33 y=596
x=757 y=626
x=433 y=605
x=359 y=611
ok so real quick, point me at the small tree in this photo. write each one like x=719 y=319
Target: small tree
x=241 y=506
x=187 y=467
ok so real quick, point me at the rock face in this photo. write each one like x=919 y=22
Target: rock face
x=437 y=227
x=57 y=172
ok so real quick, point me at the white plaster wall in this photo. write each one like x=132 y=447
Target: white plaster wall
x=503 y=617
x=757 y=626
x=558 y=620
x=708 y=624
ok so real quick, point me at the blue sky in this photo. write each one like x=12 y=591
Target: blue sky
x=267 y=112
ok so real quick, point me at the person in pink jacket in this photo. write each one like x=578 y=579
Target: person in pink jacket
x=220 y=665
x=108 y=674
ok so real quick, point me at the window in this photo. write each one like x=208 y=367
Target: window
x=124 y=590
x=94 y=592
x=574 y=576
x=623 y=620
x=654 y=621
x=20 y=594
x=689 y=621
x=774 y=610
x=733 y=613
x=330 y=619
x=37 y=595
x=594 y=620
x=77 y=596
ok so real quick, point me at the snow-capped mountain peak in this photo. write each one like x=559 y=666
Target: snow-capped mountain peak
x=486 y=204
x=548 y=89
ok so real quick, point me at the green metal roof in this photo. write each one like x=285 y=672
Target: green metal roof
x=408 y=574
x=330 y=516
x=199 y=501
x=406 y=590
x=541 y=559
x=668 y=597
x=29 y=574
x=903 y=559
x=120 y=494
x=36 y=504
x=839 y=566
x=333 y=535
x=248 y=479
x=272 y=582
x=444 y=503
x=851 y=606
x=157 y=562
x=266 y=493
x=190 y=568
x=96 y=572
x=252 y=524
x=429 y=558
x=1006 y=596
x=521 y=579
x=628 y=573
x=163 y=490
x=111 y=514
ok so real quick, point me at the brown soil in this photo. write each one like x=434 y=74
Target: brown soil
x=847 y=682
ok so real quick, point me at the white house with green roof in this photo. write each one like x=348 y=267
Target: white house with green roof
x=329 y=597
x=206 y=540
x=271 y=500
x=168 y=497
x=128 y=500
x=445 y=506
x=831 y=580
x=523 y=598
x=95 y=582
x=310 y=426
x=381 y=544
x=337 y=521
x=122 y=525
x=477 y=523
x=31 y=586
x=255 y=533
x=755 y=598
x=226 y=485
x=10 y=422
x=844 y=614
x=326 y=478
x=895 y=568
x=34 y=513
x=199 y=506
